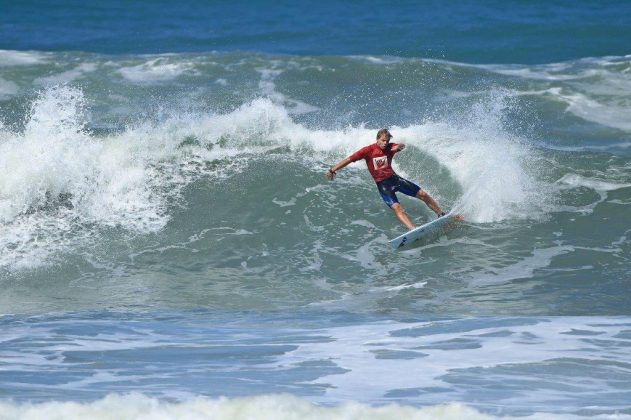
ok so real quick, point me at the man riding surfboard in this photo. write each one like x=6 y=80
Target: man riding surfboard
x=378 y=157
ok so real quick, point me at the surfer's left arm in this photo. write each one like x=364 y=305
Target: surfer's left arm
x=397 y=147
x=342 y=163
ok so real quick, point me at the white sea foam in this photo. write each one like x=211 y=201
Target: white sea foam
x=567 y=70
x=66 y=76
x=21 y=58
x=156 y=70
x=30 y=161
x=572 y=180
x=594 y=89
x=383 y=60
x=139 y=407
x=611 y=112
x=55 y=165
x=601 y=187
x=418 y=285
x=268 y=88
x=552 y=72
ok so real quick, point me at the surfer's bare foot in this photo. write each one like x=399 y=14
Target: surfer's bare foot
x=459 y=217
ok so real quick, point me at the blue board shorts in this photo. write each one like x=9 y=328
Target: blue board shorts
x=388 y=187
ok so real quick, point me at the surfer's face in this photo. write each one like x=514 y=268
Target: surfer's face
x=383 y=141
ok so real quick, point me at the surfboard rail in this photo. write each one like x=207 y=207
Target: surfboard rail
x=424 y=231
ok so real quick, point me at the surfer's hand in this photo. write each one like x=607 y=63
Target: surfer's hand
x=330 y=175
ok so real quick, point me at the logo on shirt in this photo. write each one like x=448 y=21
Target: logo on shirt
x=380 y=162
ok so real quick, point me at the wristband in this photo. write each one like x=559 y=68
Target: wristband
x=332 y=172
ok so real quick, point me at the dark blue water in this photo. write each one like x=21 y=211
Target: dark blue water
x=468 y=31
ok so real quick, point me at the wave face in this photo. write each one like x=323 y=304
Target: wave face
x=166 y=229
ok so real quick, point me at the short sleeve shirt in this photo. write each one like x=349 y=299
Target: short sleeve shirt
x=378 y=161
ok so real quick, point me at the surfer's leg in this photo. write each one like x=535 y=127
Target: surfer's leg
x=386 y=190
x=403 y=218
x=409 y=188
x=427 y=199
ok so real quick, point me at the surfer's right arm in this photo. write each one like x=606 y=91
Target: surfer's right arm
x=331 y=172
x=360 y=154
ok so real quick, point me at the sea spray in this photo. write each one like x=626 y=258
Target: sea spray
x=55 y=177
x=496 y=169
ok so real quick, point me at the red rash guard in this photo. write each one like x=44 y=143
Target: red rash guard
x=377 y=160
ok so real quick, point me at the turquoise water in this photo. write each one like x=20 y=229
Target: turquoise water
x=167 y=236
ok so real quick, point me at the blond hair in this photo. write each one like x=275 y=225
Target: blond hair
x=382 y=132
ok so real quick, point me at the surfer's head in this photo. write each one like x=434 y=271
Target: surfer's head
x=383 y=138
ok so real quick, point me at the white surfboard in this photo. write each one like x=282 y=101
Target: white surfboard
x=427 y=231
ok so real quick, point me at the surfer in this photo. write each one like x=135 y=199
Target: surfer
x=378 y=157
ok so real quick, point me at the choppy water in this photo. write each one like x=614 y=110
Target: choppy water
x=166 y=229
x=526 y=363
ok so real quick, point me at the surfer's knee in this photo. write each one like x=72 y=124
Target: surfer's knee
x=422 y=195
x=396 y=207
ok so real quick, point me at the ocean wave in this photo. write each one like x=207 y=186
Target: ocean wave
x=56 y=165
